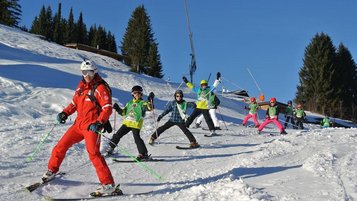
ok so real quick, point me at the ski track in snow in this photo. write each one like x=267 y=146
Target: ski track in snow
x=314 y=164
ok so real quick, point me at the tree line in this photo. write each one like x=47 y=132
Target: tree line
x=60 y=30
x=138 y=42
x=327 y=79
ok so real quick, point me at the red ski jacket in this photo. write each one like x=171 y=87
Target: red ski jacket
x=87 y=112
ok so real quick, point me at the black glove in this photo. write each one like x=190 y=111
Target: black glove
x=184 y=79
x=218 y=76
x=62 y=117
x=95 y=127
x=151 y=96
x=117 y=108
x=159 y=118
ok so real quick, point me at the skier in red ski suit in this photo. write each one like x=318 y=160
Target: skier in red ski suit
x=90 y=120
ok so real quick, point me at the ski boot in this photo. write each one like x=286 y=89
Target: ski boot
x=48 y=176
x=107 y=190
x=143 y=157
x=194 y=145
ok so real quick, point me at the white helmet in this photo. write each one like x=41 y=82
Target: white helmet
x=89 y=65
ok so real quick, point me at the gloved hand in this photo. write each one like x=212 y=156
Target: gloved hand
x=62 y=117
x=95 y=127
x=159 y=118
x=117 y=108
x=184 y=79
x=267 y=117
x=151 y=96
x=218 y=76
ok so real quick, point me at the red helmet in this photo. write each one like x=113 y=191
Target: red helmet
x=272 y=100
x=252 y=99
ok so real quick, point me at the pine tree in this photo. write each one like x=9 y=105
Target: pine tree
x=347 y=82
x=71 y=34
x=91 y=35
x=81 y=30
x=153 y=62
x=10 y=12
x=42 y=25
x=58 y=28
x=137 y=37
x=48 y=28
x=111 y=44
x=101 y=38
x=318 y=76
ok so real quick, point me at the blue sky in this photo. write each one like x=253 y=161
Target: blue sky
x=268 y=37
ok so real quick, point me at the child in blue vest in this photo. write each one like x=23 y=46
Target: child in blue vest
x=178 y=117
x=289 y=115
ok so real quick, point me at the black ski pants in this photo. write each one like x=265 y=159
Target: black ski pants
x=206 y=115
x=168 y=125
x=287 y=119
x=123 y=130
x=299 y=122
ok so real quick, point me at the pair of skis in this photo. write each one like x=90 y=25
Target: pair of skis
x=37 y=185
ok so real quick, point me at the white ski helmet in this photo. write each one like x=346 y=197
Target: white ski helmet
x=88 y=65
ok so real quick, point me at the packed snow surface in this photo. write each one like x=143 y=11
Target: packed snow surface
x=38 y=79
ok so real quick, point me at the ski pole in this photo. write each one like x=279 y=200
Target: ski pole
x=40 y=144
x=222 y=118
x=141 y=164
x=153 y=113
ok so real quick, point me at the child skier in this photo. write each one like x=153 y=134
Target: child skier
x=178 y=117
x=202 y=104
x=300 y=115
x=214 y=102
x=272 y=117
x=133 y=113
x=253 y=107
x=325 y=123
x=289 y=115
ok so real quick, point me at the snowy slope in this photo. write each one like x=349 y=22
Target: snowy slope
x=37 y=79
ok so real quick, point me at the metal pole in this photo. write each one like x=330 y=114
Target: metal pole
x=193 y=55
x=260 y=90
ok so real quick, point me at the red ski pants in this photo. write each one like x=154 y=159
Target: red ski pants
x=254 y=116
x=74 y=135
x=268 y=121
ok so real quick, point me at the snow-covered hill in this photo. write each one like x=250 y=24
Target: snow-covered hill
x=37 y=79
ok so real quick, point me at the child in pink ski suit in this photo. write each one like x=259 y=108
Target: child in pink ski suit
x=272 y=117
x=253 y=107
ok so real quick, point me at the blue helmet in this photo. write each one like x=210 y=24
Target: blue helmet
x=290 y=102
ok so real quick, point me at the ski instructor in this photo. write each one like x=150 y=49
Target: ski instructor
x=90 y=120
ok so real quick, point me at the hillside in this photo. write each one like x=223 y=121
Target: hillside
x=37 y=80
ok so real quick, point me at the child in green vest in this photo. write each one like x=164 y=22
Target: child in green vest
x=204 y=94
x=272 y=117
x=325 y=123
x=133 y=113
x=253 y=107
x=300 y=115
